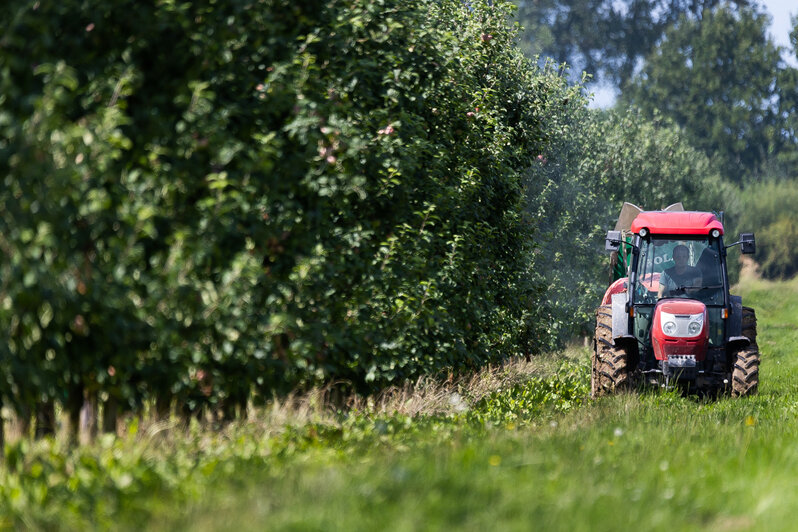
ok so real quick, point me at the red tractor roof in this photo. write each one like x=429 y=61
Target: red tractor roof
x=676 y=223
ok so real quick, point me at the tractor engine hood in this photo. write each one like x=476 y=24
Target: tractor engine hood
x=680 y=329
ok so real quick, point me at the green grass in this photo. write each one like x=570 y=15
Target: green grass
x=535 y=455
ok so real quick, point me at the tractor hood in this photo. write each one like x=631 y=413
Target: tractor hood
x=680 y=328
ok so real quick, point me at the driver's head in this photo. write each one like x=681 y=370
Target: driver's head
x=680 y=254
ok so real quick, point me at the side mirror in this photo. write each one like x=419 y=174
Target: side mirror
x=747 y=243
x=613 y=241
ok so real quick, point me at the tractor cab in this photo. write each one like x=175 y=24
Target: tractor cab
x=670 y=313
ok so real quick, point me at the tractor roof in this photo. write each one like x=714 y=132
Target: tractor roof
x=676 y=223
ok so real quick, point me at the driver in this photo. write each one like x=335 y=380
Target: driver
x=680 y=275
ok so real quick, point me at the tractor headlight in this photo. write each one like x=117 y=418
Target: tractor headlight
x=682 y=325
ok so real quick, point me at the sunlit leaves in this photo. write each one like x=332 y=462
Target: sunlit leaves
x=237 y=199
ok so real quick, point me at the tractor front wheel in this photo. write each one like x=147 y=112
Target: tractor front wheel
x=745 y=370
x=611 y=364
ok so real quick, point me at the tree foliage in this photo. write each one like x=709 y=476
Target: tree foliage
x=607 y=38
x=769 y=208
x=716 y=78
x=219 y=201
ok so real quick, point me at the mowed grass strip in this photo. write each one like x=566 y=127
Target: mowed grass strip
x=513 y=449
x=654 y=461
x=657 y=462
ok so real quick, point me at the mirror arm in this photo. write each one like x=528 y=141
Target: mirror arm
x=624 y=244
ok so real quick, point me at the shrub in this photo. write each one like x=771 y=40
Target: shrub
x=215 y=202
x=768 y=209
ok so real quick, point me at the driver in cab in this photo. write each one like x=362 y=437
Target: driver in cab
x=680 y=276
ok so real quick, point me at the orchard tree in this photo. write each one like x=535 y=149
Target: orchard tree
x=207 y=203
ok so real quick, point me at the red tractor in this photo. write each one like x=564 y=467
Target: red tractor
x=667 y=317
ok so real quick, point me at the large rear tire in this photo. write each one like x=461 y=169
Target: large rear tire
x=610 y=363
x=745 y=371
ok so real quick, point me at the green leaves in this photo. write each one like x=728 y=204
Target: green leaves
x=523 y=403
x=717 y=77
x=603 y=37
x=766 y=208
x=237 y=200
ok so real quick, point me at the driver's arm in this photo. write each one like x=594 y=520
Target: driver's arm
x=664 y=279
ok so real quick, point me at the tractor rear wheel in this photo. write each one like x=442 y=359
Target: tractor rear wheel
x=611 y=364
x=745 y=371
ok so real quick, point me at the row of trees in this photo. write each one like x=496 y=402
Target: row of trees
x=205 y=203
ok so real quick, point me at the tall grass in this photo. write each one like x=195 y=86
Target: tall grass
x=517 y=448
x=652 y=461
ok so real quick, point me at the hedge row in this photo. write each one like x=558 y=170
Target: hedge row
x=213 y=202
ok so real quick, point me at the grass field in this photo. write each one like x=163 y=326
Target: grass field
x=520 y=455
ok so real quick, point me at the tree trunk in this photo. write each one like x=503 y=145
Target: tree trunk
x=162 y=405
x=2 y=433
x=45 y=419
x=88 y=417
x=109 y=415
x=73 y=408
x=24 y=421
